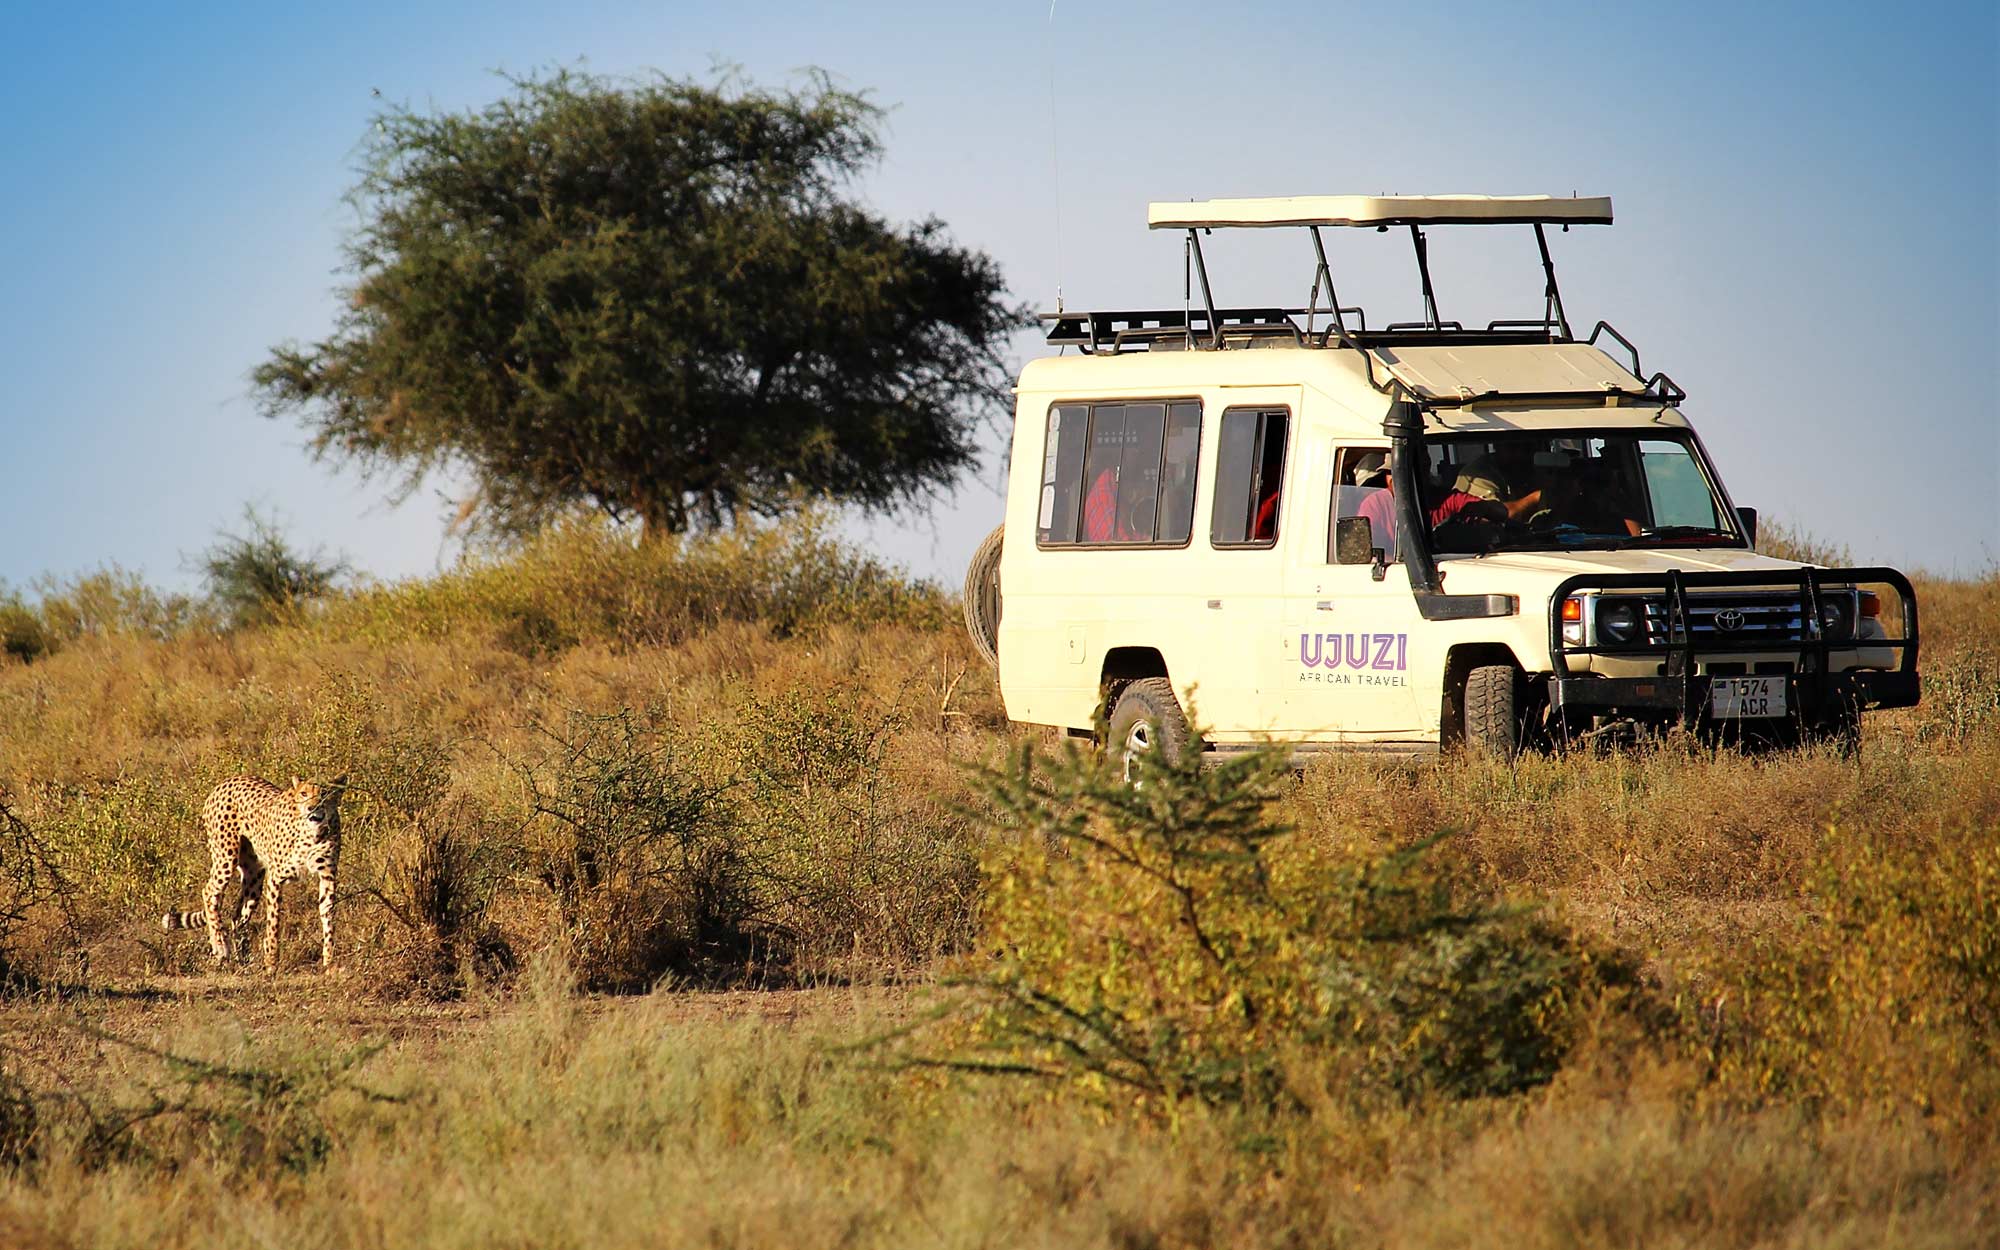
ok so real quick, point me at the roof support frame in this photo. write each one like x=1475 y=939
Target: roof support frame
x=1424 y=272
x=1324 y=272
x=1207 y=294
x=1552 y=303
x=1339 y=327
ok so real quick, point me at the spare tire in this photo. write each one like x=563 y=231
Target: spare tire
x=982 y=597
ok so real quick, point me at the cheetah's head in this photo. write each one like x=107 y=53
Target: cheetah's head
x=319 y=806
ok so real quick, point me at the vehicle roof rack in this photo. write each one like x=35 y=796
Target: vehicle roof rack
x=1169 y=328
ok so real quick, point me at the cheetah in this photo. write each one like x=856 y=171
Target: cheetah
x=269 y=836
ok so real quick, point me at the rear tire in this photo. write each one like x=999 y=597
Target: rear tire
x=1147 y=718
x=982 y=597
x=1493 y=711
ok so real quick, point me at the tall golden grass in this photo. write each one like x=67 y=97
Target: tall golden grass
x=753 y=763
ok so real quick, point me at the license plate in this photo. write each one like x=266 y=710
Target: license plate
x=1737 y=698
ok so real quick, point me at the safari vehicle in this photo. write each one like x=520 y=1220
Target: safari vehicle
x=1397 y=538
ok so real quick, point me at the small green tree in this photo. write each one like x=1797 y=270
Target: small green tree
x=657 y=300
x=256 y=577
x=1175 y=941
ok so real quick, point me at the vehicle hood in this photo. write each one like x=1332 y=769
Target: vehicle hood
x=1561 y=564
x=1534 y=575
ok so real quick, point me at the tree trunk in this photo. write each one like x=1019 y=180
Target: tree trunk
x=659 y=518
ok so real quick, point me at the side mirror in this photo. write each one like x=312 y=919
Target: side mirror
x=1749 y=518
x=1354 y=543
x=1353 y=540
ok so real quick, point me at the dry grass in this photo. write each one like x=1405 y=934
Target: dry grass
x=1810 y=925
x=556 y=1121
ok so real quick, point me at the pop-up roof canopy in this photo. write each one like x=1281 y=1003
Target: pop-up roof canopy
x=1427 y=374
x=1381 y=210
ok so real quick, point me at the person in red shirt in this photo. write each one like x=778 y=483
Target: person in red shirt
x=1380 y=506
x=1105 y=522
x=1100 y=508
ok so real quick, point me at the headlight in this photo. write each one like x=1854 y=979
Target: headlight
x=1617 y=622
x=1836 y=616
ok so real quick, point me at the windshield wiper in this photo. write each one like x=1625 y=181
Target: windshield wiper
x=1675 y=533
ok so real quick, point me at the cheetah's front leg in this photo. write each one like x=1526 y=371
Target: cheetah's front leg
x=273 y=888
x=326 y=921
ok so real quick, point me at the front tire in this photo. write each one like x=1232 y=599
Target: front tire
x=1493 y=712
x=1146 y=719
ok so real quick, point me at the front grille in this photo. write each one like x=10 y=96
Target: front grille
x=1719 y=620
x=1723 y=619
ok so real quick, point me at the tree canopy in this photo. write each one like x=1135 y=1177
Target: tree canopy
x=660 y=299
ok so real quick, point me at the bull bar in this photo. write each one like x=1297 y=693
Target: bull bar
x=1815 y=692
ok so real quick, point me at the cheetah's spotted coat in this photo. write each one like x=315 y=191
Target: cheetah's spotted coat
x=269 y=836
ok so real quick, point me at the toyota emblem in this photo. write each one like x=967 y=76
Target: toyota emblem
x=1729 y=620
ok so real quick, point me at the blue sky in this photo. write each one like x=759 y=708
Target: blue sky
x=1808 y=232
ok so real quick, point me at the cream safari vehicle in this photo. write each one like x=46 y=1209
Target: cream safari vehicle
x=1401 y=538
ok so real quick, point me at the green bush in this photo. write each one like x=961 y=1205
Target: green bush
x=257 y=578
x=1172 y=941
x=587 y=581
x=637 y=856
x=22 y=633
x=107 y=603
x=136 y=842
x=851 y=859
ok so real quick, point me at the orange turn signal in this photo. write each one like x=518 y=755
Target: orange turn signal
x=1572 y=610
x=1871 y=603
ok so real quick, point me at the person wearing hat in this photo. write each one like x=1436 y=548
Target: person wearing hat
x=1378 y=506
x=1372 y=470
x=1486 y=479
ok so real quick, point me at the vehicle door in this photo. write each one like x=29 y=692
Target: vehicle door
x=1352 y=635
x=1239 y=580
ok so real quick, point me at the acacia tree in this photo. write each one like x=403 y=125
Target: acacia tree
x=657 y=299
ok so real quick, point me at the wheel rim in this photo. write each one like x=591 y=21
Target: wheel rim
x=1138 y=741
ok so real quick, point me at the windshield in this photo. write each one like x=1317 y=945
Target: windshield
x=1530 y=491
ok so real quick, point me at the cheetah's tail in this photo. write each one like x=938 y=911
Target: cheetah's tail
x=183 y=920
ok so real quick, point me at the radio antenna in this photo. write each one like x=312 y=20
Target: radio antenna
x=1055 y=151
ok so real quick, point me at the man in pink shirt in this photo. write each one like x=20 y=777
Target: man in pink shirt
x=1379 y=507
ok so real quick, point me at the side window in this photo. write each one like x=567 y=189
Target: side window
x=1062 y=474
x=1361 y=488
x=1119 y=474
x=1249 y=477
x=1183 y=454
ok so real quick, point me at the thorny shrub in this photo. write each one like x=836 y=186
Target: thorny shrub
x=30 y=883
x=249 y=1117
x=439 y=879
x=850 y=862
x=636 y=854
x=258 y=578
x=1171 y=940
